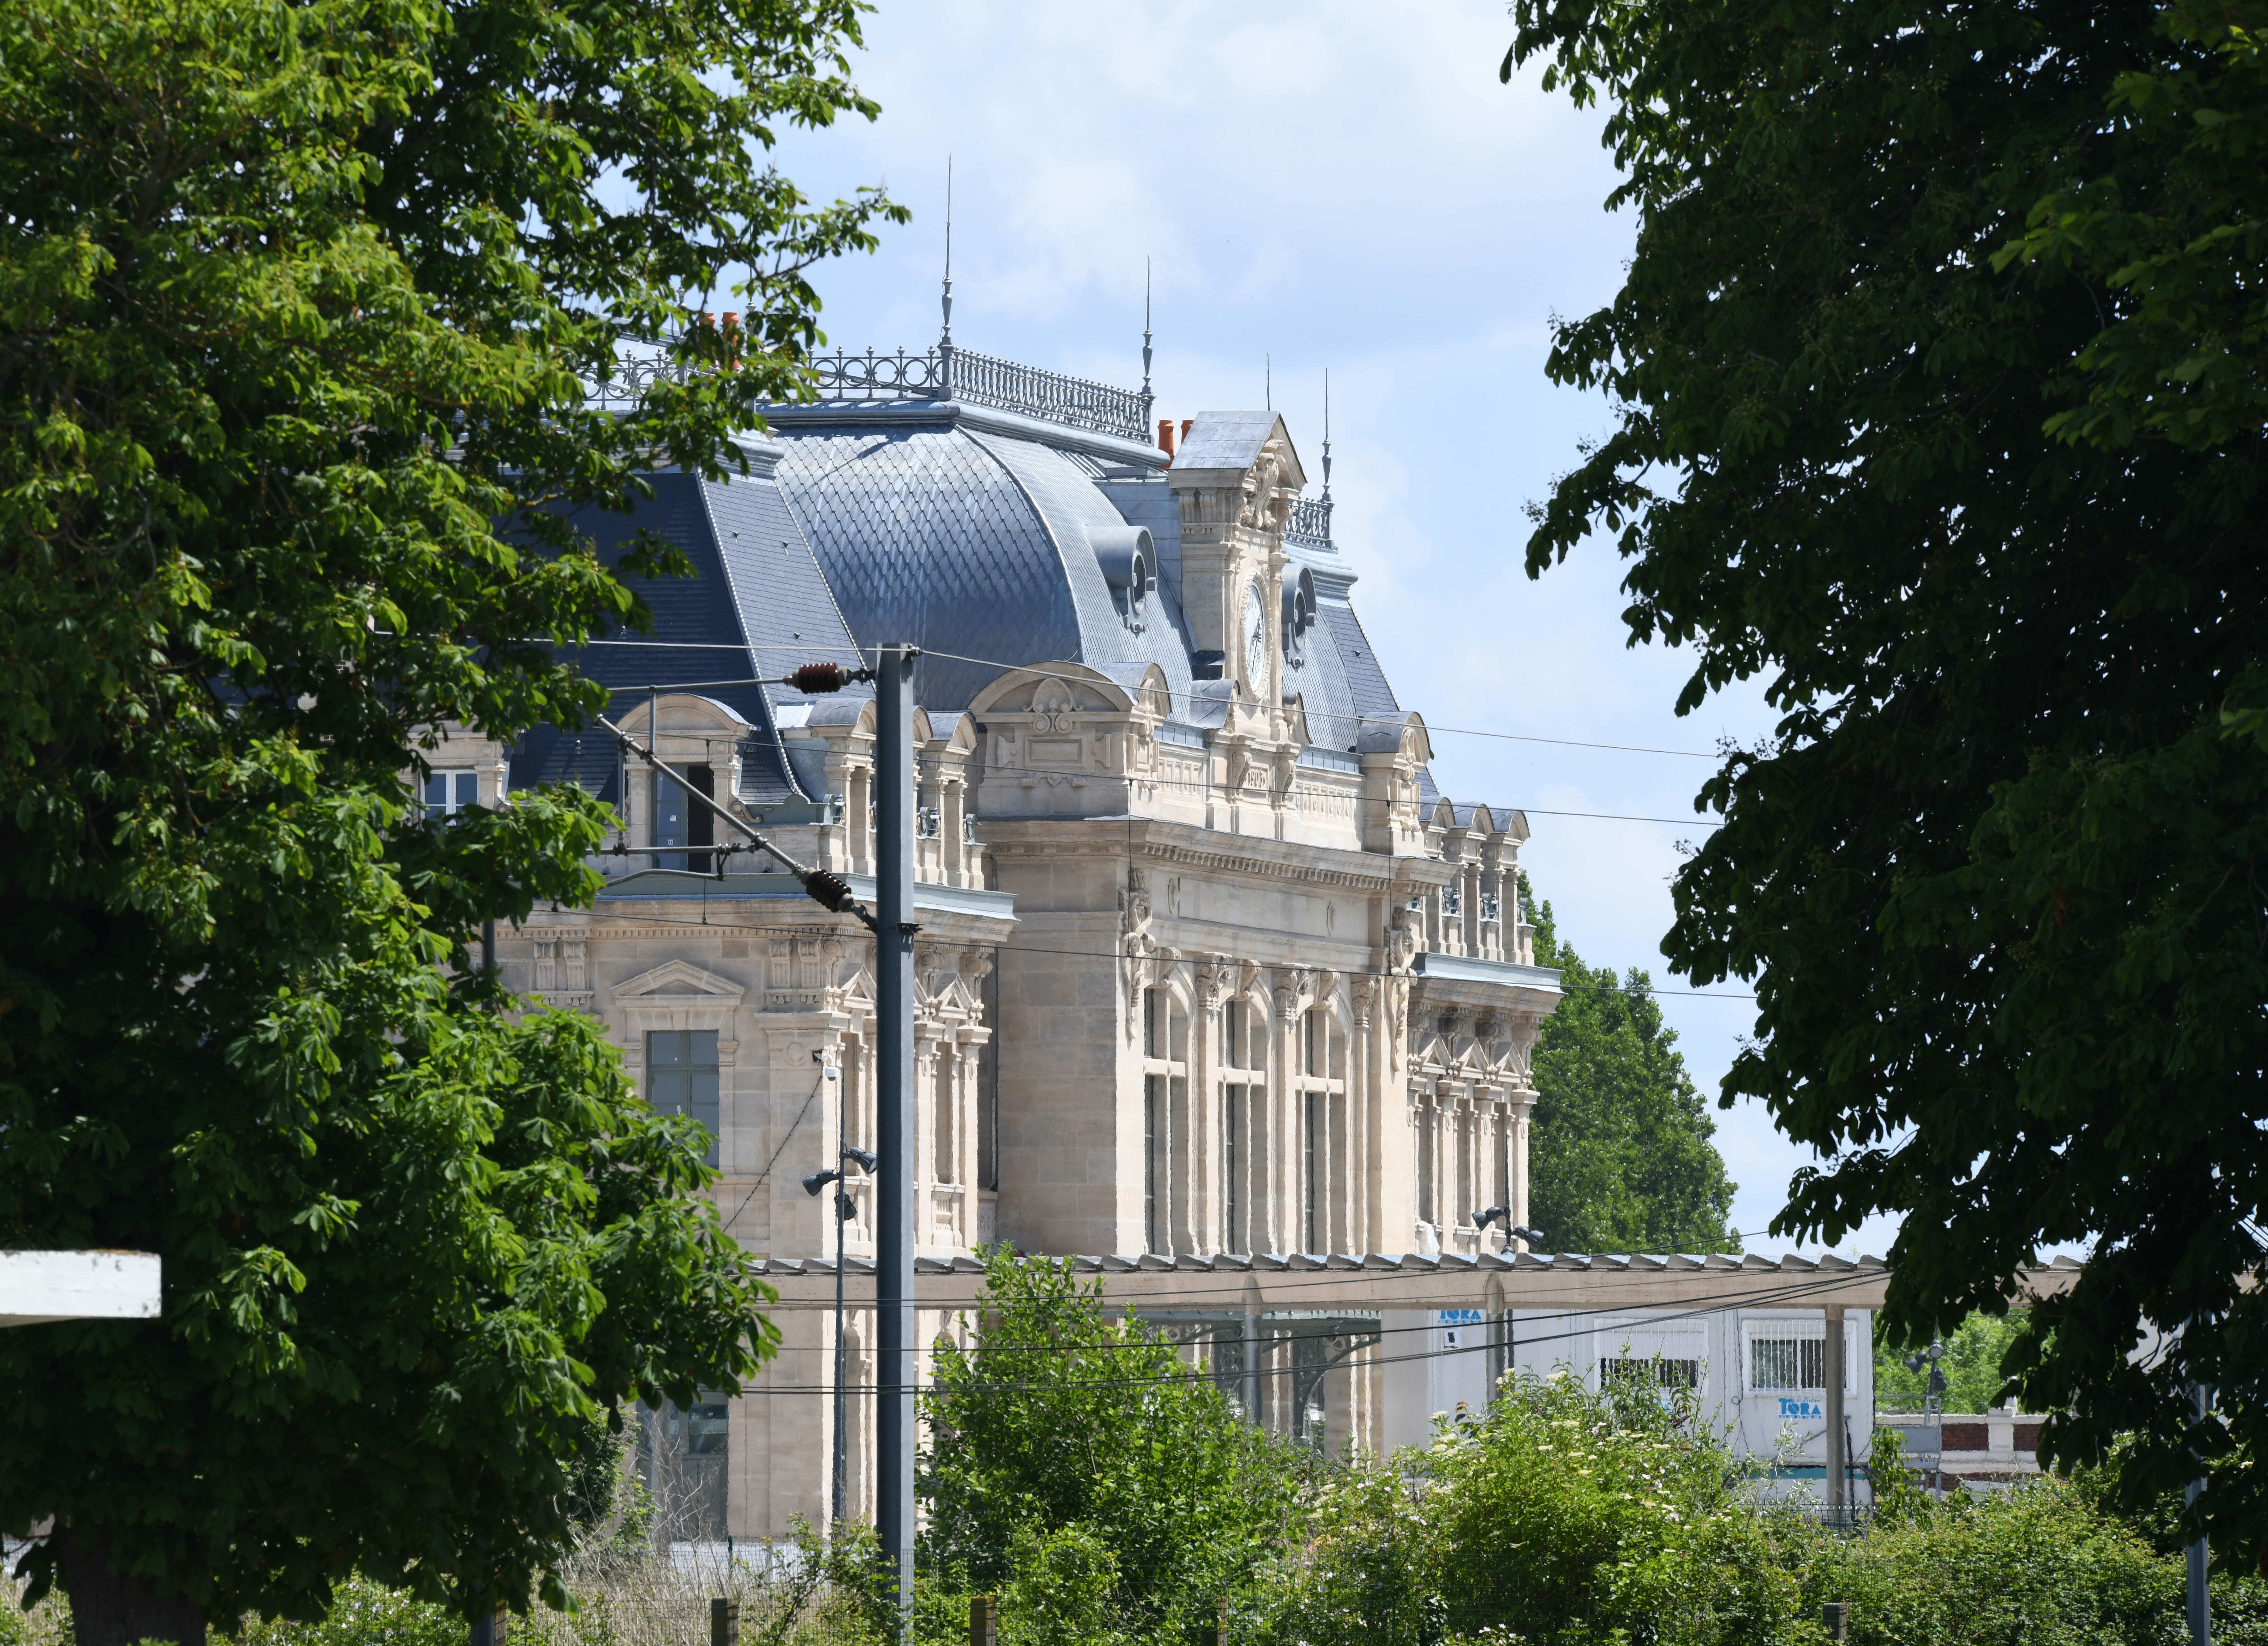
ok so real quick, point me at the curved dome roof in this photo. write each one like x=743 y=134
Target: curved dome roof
x=972 y=543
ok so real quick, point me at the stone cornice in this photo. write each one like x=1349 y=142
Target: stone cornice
x=1192 y=846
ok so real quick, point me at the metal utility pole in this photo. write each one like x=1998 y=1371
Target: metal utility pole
x=893 y=1114
x=1838 y=1460
x=2200 y=1554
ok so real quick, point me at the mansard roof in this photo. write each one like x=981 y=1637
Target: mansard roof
x=989 y=534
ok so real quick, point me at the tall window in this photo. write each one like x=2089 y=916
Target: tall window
x=681 y=821
x=680 y=1076
x=1152 y=1235
x=1244 y=1078
x=449 y=793
x=947 y=1140
x=1320 y=1094
x=1427 y=1119
x=1314 y=1149
x=1231 y=1127
x=1165 y=1089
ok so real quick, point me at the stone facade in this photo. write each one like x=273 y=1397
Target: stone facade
x=1207 y=965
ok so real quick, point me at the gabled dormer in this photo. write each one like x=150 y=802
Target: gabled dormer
x=1236 y=477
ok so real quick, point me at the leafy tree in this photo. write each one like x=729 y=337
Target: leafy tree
x=1619 y=1158
x=294 y=300
x=1938 y=369
x=1064 y=1433
x=1971 y=1366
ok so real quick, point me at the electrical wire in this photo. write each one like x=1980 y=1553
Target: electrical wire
x=1043 y=672
x=777 y=1153
x=1510 y=1344
x=1235 y=1283
x=1012 y=946
x=1700 y=1304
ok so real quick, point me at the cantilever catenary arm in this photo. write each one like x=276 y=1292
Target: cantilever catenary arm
x=826 y=889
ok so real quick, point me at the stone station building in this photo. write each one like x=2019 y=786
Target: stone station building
x=1208 y=967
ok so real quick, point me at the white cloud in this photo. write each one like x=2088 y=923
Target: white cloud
x=1337 y=184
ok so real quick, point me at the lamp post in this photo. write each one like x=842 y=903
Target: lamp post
x=845 y=1208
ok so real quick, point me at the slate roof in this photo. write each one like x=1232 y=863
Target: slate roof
x=755 y=606
x=968 y=533
x=1227 y=439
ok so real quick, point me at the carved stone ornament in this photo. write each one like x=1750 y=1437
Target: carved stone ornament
x=1401 y=942
x=1136 y=947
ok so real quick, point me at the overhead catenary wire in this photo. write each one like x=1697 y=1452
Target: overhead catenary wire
x=1210 y=788
x=1044 y=673
x=1121 y=954
x=1208 y=1376
x=1703 y=1303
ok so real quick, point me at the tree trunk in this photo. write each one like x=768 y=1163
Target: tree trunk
x=111 y=1610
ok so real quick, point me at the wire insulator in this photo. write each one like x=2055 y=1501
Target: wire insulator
x=818 y=677
x=825 y=890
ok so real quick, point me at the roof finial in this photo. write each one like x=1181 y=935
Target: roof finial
x=1327 y=431
x=1148 y=401
x=1268 y=378
x=947 y=342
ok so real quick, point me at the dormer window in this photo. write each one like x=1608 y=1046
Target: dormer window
x=1129 y=560
x=1299 y=613
x=448 y=792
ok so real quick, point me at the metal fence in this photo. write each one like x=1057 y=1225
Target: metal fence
x=944 y=372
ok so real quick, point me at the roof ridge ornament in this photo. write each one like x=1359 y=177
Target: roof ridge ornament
x=1311 y=517
x=1146 y=329
x=946 y=343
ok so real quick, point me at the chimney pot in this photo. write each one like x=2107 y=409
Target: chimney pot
x=1187 y=424
x=1166 y=437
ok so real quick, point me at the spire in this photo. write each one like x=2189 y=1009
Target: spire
x=947 y=342
x=1145 y=331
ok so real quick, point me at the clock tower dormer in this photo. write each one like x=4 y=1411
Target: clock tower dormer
x=1236 y=477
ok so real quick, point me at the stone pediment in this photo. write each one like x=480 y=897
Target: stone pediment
x=676 y=983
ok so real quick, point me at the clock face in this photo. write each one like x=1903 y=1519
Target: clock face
x=1256 y=638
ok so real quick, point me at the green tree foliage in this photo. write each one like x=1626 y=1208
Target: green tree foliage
x=1065 y=1432
x=1559 y=1516
x=1619 y=1158
x=1938 y=371
x=1974 y=1351
x=294 y=298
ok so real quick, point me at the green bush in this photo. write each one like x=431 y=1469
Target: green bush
x=2036 y=1564
x=364 y=1613
x=1560 y=1516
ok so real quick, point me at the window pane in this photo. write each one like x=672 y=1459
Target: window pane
x=1788 y=1363
x=437 y=791
x=469 y=789
x=682 y=1077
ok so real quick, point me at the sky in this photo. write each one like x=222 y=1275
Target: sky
x=1341 y=187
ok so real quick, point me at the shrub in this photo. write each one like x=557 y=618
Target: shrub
x=2037 y=1563
x=1560 y=1516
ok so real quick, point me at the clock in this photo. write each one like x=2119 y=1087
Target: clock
x=1255 y=640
